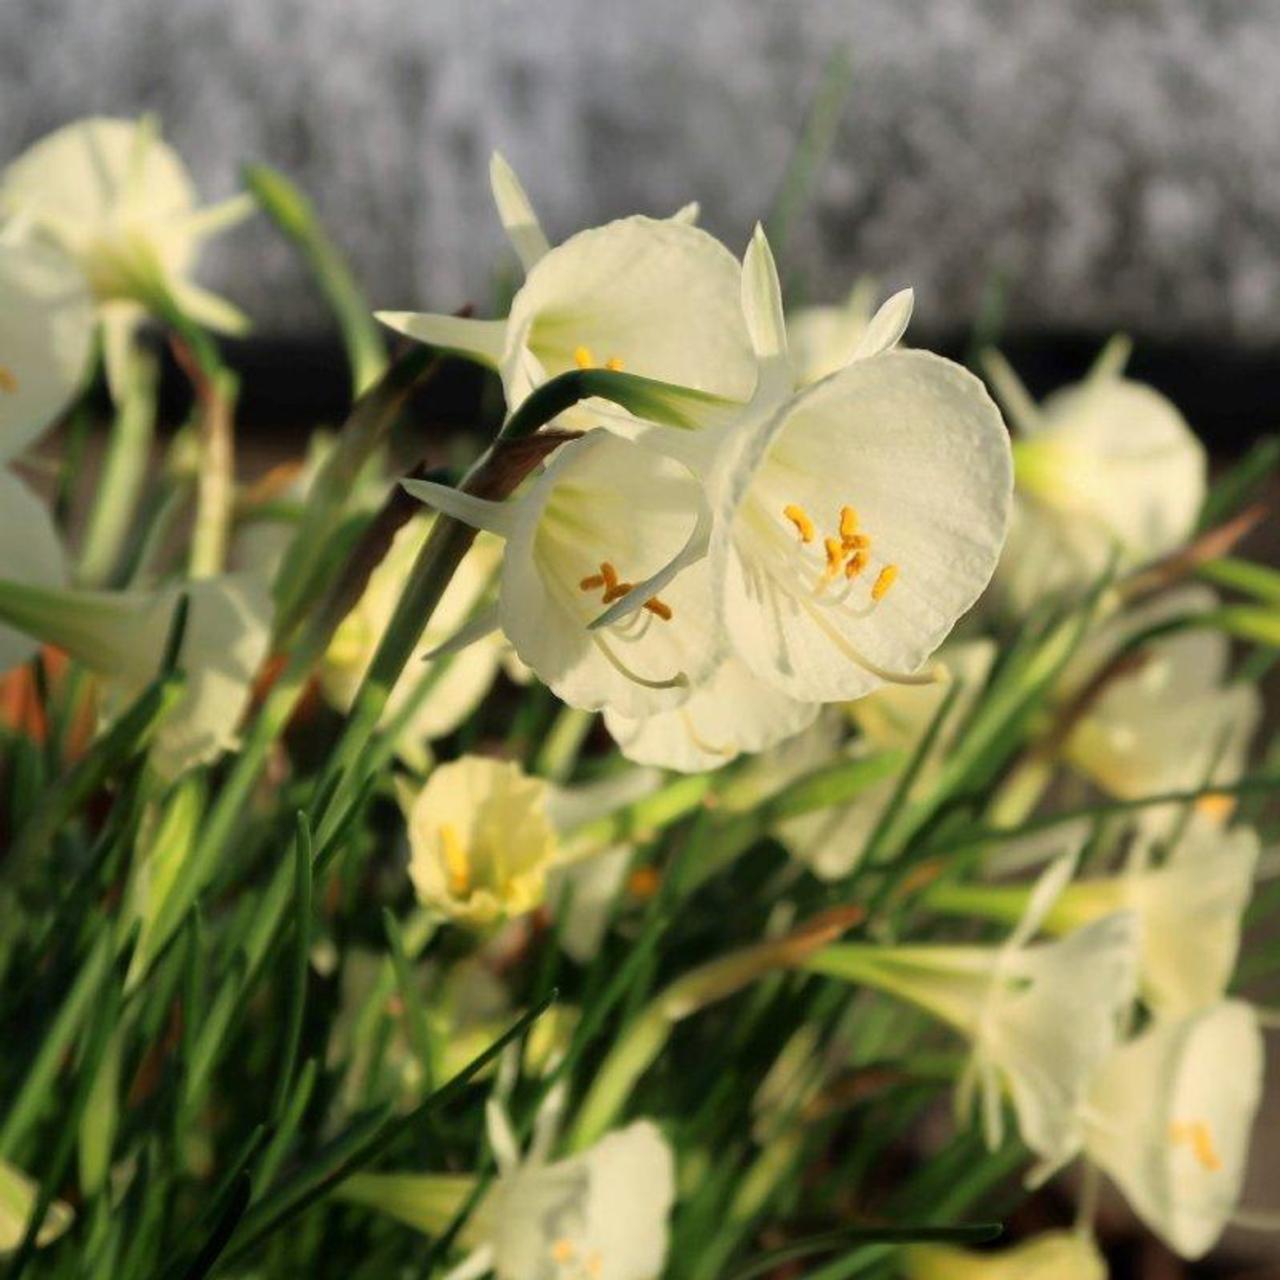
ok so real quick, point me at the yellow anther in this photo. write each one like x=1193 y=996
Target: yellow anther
x=835 y=556
x=884 y=580
x=1216 y=806
x=856 y=542
x=855 y=565
x=615 y=588
x=592 y=582
x=455 y=860
x=614 y=364
x=583 y=358
x=659 y=608
x=617 y=591
x=1198 y=1137
x=562 y=1250
x=798 y=517
x=848 y=523
x=609 y=574
x=8 y=379
x=595 y=1264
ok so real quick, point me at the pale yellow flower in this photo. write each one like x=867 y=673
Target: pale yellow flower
x=17 y=1199
x=481 y=840
x=1056 y=1255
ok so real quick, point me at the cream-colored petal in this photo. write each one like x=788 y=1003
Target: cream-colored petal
x=31 y=552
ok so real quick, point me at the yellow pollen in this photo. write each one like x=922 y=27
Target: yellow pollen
x=659 y=608
x=855 y=565
x=614 y=364
x=8 y=380
x=455 y=860
x=848 y=523
x=798 y=517
x=583 y=358
x=887 y=577
x=595 y=1264
x=1197 y=1136
x=615 y=588
x=562 y=1251
x=856 y=542
x=835 y=556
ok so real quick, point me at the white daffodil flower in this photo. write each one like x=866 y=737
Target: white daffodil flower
x=121 y=636
x=853 y=522
x=732 y=713
x=1190 y=912
x=481 y=841
x=657 y=297
x=1040 y=1018
x=1172 y=723
x=599 y=1215
x=433 y=698
x=1169 y=1116
x=822 y=340
x=830 y=842
x=1056 y=1255
x=1107 y=467
x=18 y=1196
x=119 y=201
x=46 y=329
x=605 y=515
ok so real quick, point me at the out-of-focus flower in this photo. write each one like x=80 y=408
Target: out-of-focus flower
x=121 y=636
x=601 y=1214
x=655 y=297
x=853 y=522
x=732 y=713
x=117 y=199
x=604 y=515
x=1169 y=1115
x=1056 y=1255
x=481 y=840
x=1173 y=722
x=830 y=842
x=433 y=697
x=1107 y=467
x=18 y=1196
x=822 y=340
x=46 y=327
x=1040 y=1018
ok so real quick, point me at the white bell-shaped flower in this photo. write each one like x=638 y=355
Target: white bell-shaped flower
x=598 y=1215
x=1040 y=1018
x=1107 y=467
x=481 y=840
x=1168 y=1117
x=854 y=522
x=117 y=199
x=121 y=636
x=605 y=515
x=656 y=297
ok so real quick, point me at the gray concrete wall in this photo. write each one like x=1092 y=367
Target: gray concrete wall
x=1117 y=160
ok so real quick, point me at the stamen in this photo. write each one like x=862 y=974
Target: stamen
x=887 y=577
x=583 y=358
x=614 y=364
x=848 y=523
x=562 y=1250
x=1197 y=1135
x=455 y=860
x=856 y=542
x=610 y=575
x=855 y=565
x=616 y=592
x=592 y=582
x=798 y=517
x=659 y=607
x=8 y=380
x=595 y=1265
x=835 y=558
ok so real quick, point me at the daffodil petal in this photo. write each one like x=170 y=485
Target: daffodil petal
x=480 y=340
x=516 y=211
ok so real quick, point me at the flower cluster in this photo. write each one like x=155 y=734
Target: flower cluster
x=595 y=864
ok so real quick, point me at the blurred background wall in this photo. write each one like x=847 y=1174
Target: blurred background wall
x=1114 y=163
